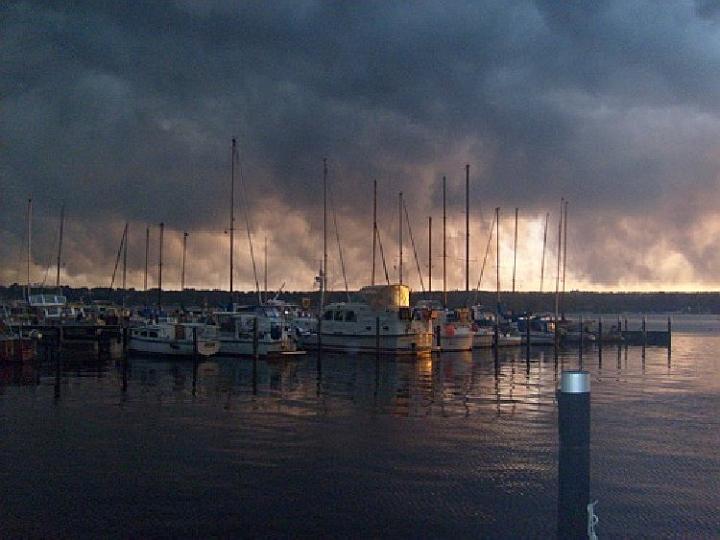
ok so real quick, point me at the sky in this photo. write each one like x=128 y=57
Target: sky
x=125 y=112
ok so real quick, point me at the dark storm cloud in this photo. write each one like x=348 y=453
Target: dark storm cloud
x=125 y=111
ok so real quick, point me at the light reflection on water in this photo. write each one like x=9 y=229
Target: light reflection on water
x=343 y=445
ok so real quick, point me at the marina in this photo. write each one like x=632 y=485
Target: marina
x=457 y=444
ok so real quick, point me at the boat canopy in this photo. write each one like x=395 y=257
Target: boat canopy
x=47 y=300
x=383 y=296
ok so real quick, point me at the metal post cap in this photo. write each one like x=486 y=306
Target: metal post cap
x=575 y=382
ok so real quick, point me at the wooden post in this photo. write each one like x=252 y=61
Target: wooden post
x=195 y=344
x=644 y=331
x=600 y=337
x=437 y=337
x=527 y=336
x=669 y=327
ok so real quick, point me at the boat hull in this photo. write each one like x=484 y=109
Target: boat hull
x=388 y=344
x=244 y=347
x=173 y=348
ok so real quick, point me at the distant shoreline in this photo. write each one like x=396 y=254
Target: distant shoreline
x=574 y=301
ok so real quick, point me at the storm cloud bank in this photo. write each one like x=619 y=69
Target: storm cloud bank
x=125 y=112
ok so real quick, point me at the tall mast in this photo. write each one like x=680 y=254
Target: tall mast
x=160 y=265
x=400 y=229
x=182 y=273
x=232 y=212
x=559 y=256
x=147 y=255
x=467 y=227
x=374 y=242
x=29 y=246
x=497 y=258
x=429 y=254
x=265 y=271
x=565 y=225
x=515 y=249
x=542 y=263
x=323 y=276
x=60 y=242
x=444 y=248
x=124 y=278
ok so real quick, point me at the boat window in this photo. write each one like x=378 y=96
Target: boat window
x=153 y=334
x=338 y=315
x=143 y=333
x=328 y=316
x=350 y=316
x=404 y=314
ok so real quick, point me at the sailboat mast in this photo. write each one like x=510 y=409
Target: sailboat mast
x=160 y=265
x=374 y=242
x=515 y=250
x=323 y=276
x=232 y=212
x=557 y=273
x=444 y=229
x=147 y=255
x=182 y=273
x=565 y=225
x=29 y=246
x=467 y=227
x=124 y=278
x=60 y=242
x=497 y=257
x=400 y=231
x=430 y=254
x=265 y=281
x=542 y=261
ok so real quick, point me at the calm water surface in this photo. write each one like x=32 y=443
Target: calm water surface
x=342 y=446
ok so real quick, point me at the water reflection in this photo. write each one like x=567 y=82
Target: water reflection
x=459 y=444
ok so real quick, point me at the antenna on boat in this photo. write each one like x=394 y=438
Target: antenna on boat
x=400 y=220
x=444 y=246
x=147 y=254
x=374 y=242
x=232 y=212
x=60 y=241
x=160 y=265
x=542 y=263
x=29 y=246
x=429 y=254
x=412 y=242
x=467 y=227
x=515 y=249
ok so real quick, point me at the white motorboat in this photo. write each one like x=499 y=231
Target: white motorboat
x=237 y=332
x=453 y=326
x=174 y=339
x=383 y=321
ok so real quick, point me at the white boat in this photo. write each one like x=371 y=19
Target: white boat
x=453 y=326
x=300 y=318
x=542 y=330
x=237 y=335
x=174 y=339
x=354 y=326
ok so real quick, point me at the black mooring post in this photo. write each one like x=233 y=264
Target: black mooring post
x=574 y=459
x=256 y=339
x=437 y=337
x=669 y=338
x=527 y=336
x=377 y=338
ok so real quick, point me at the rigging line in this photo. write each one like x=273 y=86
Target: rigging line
x=382 y=256
x=243 y=201
x=487 y=251
x=117 y=259
x=337 y=237
x=412 y=241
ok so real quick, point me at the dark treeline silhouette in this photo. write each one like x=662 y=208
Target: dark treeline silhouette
x=575 y=301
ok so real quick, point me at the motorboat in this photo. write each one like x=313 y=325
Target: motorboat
x=452 y=328
x=381 y=321
x=174 y=339
x=252 y=329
